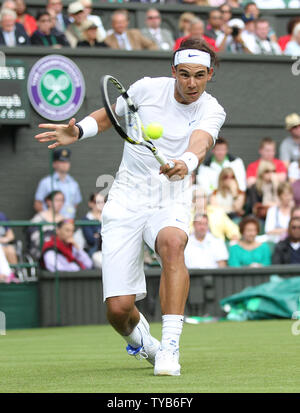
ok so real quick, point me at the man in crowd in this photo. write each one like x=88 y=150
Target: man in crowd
x=153 y=31
x=289 y=149
x=46 y=35
x=203 y=250
x=267 y=151
x=124 y=38
x=62 y=20
x=209 y=171
x=288 y=250
x=12 y=34
x=197 y=29
x=214 y=24
x=261 y=43
x=61 y=181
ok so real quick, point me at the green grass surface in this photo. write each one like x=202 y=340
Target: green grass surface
x=232 y=357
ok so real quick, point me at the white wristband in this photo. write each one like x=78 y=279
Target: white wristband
x=191 y=161
x=89 y=127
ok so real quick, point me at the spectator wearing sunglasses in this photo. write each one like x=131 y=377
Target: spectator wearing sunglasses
x=46 y=35
x=154 y=32
x=288 y=250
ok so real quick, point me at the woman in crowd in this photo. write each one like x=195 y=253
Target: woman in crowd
x=91 y=233
x=62 y=253
x=54 y=201
x=278 y=216
x=263 y=194
x=228 y=195
x=293 y=46
x=249 y=252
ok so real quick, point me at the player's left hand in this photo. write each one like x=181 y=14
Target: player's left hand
x=178 y=172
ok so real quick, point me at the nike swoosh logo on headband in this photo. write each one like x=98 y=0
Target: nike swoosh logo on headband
x=192 y=55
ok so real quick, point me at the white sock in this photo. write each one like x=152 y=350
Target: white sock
x=135 y=337
x=171 y=330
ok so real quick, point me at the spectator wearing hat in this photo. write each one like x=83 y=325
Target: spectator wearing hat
x=45 y=35
x=60 y=180
x=261 y=43
x=231 y=40
x=88 y=8
x=89 y=29
x=289 y=149
x=124 y=38
x=154 y=32
x=12 y=34
x=293 y=46
x=74 y=32
x=62 y=20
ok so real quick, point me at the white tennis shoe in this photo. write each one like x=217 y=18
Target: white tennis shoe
x=167 y=362
x=150 y=345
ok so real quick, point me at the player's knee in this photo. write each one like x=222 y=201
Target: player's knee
x=170 y=247
x=118 y=308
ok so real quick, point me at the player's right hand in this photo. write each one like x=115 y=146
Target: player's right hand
x=61 y=134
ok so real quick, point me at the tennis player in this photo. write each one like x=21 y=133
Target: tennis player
x=146 y=203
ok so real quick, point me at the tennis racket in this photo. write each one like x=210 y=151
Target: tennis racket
x=129 y=127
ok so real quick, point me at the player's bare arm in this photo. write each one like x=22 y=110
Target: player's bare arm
x=66 y=134
x=200 y=143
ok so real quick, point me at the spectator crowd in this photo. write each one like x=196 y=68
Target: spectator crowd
x=79 y=26
x=241 y=216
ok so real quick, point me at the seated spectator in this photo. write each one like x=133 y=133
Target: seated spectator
x=62 y=20
x=295 y=213
x=261 y=43
x=293 y=46
x=214 y=24
x=267 y=151
x=294 y=171
x=197 y=32
x=209 y=171
x=278 y=216
x=232 y=39
x=154 y=32
x=226 y=11
x=124 y=38
x=184 y=24
x=289 y=149
x=228 y=196
x=263 y=194
x=28 y=21
x=74 y=32
x=248 y=252
x=251 y=9
x=12 y=34
x=6 y=274
x=92 y=234
x=61 y=253
x=88 y=8
x=60 y=180
x=220 y=225
x=54 y=201
x=283 y=40
x=89 y=30
x=46 y=35
x=288 y=250
x=7 y=238
x=203 y=250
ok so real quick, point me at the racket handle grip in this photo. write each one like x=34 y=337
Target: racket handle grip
x=163 y=160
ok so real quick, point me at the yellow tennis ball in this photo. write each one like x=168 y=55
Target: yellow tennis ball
x=154 y=130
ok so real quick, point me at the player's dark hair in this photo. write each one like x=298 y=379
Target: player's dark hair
x=198 y=44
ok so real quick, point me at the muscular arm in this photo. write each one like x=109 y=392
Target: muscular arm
x=200 y=143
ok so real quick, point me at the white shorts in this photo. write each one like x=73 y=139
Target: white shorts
x=123 y=235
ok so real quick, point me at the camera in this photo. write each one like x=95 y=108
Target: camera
x=235 y=31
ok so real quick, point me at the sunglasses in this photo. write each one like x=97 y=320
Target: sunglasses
x=295 y=227
x=228 y=176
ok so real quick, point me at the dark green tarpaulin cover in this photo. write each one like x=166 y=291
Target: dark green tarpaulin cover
x=278 y=298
